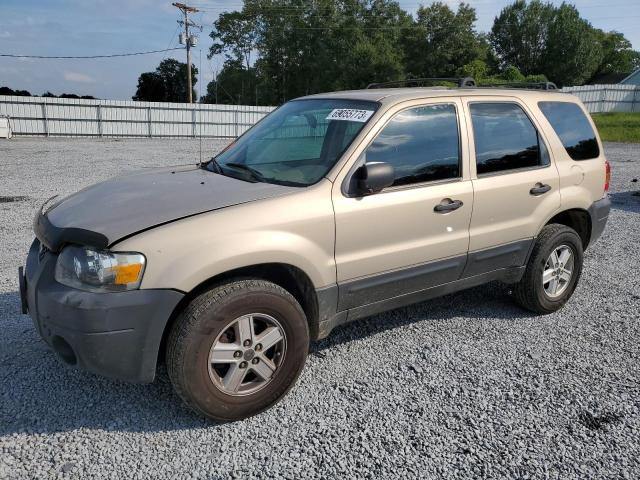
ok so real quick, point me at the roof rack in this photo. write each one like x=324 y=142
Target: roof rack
x=416 y=82
x=527 y=85
x=463 y=82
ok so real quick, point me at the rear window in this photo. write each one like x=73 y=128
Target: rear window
x=571 y=125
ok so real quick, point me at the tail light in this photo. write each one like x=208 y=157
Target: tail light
x=607 y=175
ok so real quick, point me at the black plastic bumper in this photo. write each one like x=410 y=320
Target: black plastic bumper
x=112 y=334
x=599 y=212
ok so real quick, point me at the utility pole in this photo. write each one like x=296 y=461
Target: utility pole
x=188 y=40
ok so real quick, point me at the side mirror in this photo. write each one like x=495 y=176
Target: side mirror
x=373 y=177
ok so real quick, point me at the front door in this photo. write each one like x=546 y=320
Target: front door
x=415 y=233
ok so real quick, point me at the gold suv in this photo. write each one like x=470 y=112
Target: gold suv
x=333 y=208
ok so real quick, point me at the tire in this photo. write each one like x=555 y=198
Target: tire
x=218 y=317
x=530 y=292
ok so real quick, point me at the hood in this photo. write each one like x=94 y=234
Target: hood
x=104 y=213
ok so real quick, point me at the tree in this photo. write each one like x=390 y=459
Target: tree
x=375 y=52
x=618 y=56
x=150 y=88
x=477 y=70
x=234 y=85
x=167 y=84
x=17 y=93
x=234 y=34
x=443 y=41
x=538 y=37
x=573 y=52
x=519 y=35
x=307 y=47
x=278 y=50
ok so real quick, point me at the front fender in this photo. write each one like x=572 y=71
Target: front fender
x=298 y=230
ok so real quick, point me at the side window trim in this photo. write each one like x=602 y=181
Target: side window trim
x=541 y=139
x=359 y=162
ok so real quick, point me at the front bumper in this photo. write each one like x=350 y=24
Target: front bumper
x=112 y=334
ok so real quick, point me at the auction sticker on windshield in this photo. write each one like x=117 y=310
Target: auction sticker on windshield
x=350 y=114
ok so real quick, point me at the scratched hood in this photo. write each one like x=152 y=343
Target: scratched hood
x=104 y=213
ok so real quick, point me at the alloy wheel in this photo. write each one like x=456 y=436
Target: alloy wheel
x=247 y=354
x=558 y=271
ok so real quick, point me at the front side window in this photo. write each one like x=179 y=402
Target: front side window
x=572 y=127
x=297 y=144
x=505 y=138
x=422 y=144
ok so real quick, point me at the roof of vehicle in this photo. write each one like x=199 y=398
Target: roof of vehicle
x=397 y=95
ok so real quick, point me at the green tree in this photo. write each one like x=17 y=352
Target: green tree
x=519 y=35
x=167 y=84
x=443 y=41
x=477 y=69
x=374 y=51
x=150 y=88
x=539 y=38
x=573 y=52
x=234 y=85
x=618 y=56
x=307 y=47
x=234 y=34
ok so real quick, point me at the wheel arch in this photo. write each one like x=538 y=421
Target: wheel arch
x=293 y=279
x=577 y=219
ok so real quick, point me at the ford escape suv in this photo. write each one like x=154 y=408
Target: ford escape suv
x=332 y=208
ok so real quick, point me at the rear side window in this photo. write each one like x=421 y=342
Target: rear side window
x=571 y=125
x=505 y=138
x=422 y=144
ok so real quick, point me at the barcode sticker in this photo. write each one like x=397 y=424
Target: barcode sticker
x=350 y=114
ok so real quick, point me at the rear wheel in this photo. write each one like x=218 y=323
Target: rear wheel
x=553 y=270
x=237 y=349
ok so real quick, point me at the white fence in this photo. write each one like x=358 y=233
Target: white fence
x=111 y=118
x=608 y=98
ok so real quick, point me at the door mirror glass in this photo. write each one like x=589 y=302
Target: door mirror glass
x=373 y=177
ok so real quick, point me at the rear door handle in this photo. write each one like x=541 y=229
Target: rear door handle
x=539 y=189
x=447 y=205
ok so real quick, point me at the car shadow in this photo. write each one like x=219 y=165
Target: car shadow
x=486 y=301
x=626 y=201
x=39 y=394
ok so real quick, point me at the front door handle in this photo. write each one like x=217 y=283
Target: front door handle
x=447 y=205
x=540 y=189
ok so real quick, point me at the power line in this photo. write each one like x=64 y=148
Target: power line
x=11 y=55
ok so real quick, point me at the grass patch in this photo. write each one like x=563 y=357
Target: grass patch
x=618 y=127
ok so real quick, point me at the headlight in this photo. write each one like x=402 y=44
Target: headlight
x=99 y=271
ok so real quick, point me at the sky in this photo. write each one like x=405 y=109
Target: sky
x=102 y=27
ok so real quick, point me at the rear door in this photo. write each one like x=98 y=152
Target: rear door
x=515 y=182
x=400 y=240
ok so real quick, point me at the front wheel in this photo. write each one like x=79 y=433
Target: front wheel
x=237 y=349
x=553 y=270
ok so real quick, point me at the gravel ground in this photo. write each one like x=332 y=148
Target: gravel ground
x=464 y=386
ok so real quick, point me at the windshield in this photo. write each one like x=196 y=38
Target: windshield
x=297 y=144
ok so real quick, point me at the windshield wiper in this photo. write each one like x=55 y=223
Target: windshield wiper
x=215 y=166
x=255 y=174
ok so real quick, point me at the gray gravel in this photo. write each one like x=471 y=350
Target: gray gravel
x=464 y=386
